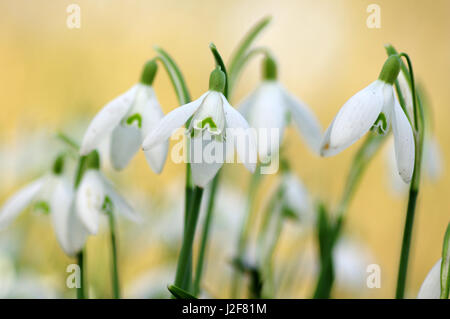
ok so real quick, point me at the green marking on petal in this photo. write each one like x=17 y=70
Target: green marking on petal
x=380 y=125
x=209 y=121
x=135 y=118
x=42 y=206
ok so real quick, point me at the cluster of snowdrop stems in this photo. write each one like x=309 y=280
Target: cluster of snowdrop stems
x=135 y=121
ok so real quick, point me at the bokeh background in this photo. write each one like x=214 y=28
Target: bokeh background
x=53 y=78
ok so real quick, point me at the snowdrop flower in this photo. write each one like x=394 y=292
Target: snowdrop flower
x=126 y=121
x=213 y=122
x=94 y=193
x=431 y=163
x=431 y=286
x=38 y=192
x=54 y=194
x=271 y=106
x=295 y=198
x=374 y=107
x=351 y=260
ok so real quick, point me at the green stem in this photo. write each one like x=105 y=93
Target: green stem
x=183 y=96
x=205 y=234
x=414 y=187
x=234 y=76
x=175 y=75
x=244 y=233
x=81 y=294
x=184 y=266
x=115 y=271
x=359 y=164
x=406 y=244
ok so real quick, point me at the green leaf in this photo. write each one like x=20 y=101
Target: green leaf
x=179 y=293
x=175 y=75
x=245 y=44
x=323 y=230
x=445 y=265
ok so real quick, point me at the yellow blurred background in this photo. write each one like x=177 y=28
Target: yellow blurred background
x=52 y=76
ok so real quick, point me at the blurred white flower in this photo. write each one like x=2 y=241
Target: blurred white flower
x=270 y=106
x=374 y=107
x=151 y=284
x=23 y=284
x=295 y=199
x=73 y=220
x=90 y=199
x=431 y=286
x=211 y=116
x=126 y=121
x=351 y=260
x=34 y=192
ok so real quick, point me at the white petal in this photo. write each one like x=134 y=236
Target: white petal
x=296 y=197
x=156 y=157
x=247 y=103
x=173 y=120
x=125 y=142
x=19 y=201
x=244 y=137
x=398 y=186
x=305 y=121
x=151 y=115
x=89 y=200
x=203 y=173
x=105 y=121
x=120 y=204
x=431 y=286
x=70 y=232
x=405 y=89
x=268 y=113
x=354 y=119
x=207 y=156
x=210 y=108
x=326 y=149
x=404 y=143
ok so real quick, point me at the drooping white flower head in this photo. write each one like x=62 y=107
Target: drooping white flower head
x=22 y=199
x=431 y=286
x=374 y=107
x=90 y=200
x=351 y=260
x=77 y=211
x=74 y=214
x=431 y=164
x=126 y=120
x=214 y=121
x=296 y=199
x=55 y=194
x=271 y=106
